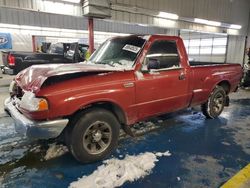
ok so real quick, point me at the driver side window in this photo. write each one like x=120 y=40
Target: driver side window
x=163 y=54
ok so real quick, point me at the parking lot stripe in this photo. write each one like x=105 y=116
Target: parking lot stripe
x=240 y=180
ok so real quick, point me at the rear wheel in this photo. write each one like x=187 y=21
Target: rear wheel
x=215 y=104
x=94 y=135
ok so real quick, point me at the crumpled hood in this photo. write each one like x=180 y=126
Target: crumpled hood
x=32 y=78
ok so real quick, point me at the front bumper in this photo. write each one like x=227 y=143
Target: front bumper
x=34 y=129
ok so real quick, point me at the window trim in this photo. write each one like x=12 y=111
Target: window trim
x=163 y=69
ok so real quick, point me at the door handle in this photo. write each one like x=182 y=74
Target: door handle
x=129 y=84
x=182 y=76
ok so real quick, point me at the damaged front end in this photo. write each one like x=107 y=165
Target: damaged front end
x=33 y=129
x=21 y=100
x=32 y=78
x=24 y=101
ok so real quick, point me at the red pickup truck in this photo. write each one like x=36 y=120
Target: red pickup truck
x=126 y=80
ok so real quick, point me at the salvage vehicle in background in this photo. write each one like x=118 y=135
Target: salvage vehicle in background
x=127 y=79
x=14 y=62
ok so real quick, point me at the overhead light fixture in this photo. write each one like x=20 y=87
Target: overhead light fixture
x=201 y=21
x=214 y=23
x=27 y=27
x=72 y=1
x=207 y=22
x=12 y=26
x=168 y=15
x=233 y=26
x=144 y=25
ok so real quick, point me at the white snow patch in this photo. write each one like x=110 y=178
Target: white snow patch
x=149 y=123
x=160 y=154
x=55 y=151
x=115 y=172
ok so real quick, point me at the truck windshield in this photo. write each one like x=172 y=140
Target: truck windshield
x=120 y=51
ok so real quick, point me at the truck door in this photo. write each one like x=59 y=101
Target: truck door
x=164 y=87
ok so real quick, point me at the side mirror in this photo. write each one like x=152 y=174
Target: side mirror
x=153 y=63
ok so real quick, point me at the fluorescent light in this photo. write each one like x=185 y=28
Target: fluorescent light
x=233 y=26
x=51 y=29
x=214 y=23
x=27 y=27
x=168 y=15
x=144 y=25
x=72 y=1
x=201 y=21
x=9 y=26
x=207 y=22
x=68 y=30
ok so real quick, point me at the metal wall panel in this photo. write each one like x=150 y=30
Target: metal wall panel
x=25 y=4
x=228 y=11
x=101 y=25
x=12 y=3
x=2 y=3
x=222 y=10
x=235 y=51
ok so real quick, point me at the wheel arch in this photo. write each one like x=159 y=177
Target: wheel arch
x=111 y=106
x=226 y=85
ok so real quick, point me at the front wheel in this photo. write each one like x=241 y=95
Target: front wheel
x=94 y=136
x=215 y=104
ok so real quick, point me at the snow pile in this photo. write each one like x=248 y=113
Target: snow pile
x=115 y=172
x=55 y=151
x=160 y=154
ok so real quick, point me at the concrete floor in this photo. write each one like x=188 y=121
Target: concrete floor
x=205 y=153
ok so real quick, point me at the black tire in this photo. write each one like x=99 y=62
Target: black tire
x=94 y=135
x=215 y=104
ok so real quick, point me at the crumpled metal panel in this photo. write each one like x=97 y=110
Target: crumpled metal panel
x=32 y=78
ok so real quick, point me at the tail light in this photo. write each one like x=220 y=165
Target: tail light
x=11 y=60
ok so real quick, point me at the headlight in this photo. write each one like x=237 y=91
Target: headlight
x=31 y=103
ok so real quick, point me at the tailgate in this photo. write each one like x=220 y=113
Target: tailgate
x=5 y=58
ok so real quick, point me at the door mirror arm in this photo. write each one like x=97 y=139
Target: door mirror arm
x=144 y=68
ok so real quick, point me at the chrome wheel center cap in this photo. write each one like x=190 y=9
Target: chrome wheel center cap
x=97 y=136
